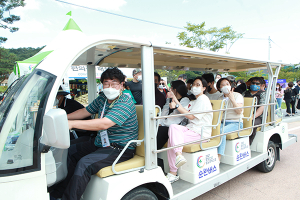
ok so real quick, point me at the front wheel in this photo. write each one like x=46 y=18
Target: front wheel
x=269 y=164
x=140 y=193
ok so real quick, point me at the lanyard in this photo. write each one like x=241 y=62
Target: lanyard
x=103 y=110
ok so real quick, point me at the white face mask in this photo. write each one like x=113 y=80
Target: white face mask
x=139 y=78
x=238 y=84
x=226 y=89
x=196 y=90
x=111 y=93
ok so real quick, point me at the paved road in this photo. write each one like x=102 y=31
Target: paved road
x=281 y=183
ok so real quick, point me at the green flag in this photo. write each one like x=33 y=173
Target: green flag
x=69 y=13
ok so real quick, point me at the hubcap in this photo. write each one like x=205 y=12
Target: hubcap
x=271 y=157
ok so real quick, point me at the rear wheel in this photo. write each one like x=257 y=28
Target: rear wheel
x=140 y=193
x=269 y=164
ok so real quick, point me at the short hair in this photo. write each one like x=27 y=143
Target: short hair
x=111 y=73
x=290 y=84
x=241 y=81
x=204 y=83
x=263 y=79
x=219 y=83
x=190 y=81
x=135 y=71
x=209 y=77
x=259 y=79
x=157 y=74
x=180 y=87
x=183 y=76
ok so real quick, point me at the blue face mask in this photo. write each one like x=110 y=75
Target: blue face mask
x=254 y=87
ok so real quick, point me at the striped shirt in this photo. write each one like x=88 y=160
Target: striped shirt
x=123 y=113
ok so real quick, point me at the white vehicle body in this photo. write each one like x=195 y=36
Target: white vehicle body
x=32 y=182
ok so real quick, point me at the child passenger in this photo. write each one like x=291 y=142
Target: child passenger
x=192 y=131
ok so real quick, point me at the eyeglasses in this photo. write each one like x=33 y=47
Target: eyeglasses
x=255 y=83
x=112 y=85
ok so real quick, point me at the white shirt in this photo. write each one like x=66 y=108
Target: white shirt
x=174 y=120
x=214 y=96
x=202 y=103
x=231 y=113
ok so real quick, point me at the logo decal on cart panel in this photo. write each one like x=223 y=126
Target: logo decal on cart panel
x=200 y=162
x=237 y=147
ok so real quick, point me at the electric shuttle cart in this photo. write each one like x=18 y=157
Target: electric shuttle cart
x=34 y=137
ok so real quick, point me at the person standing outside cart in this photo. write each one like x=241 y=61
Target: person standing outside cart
x=136 y=86
x=297 y=90
x=290 y=99
x=278 y=95
x=117 y=125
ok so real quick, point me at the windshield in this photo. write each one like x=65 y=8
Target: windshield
x=8 y=98
x=21 y=122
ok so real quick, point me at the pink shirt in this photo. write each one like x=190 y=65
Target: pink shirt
x=278 y=92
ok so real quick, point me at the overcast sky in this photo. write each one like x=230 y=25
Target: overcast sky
x=41 y=21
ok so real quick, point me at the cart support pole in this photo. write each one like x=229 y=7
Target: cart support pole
x=147 y=64
x=91 y=75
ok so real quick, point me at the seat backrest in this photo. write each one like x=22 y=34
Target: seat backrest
x=140 y=150
x=248 y=101
x=269 y=114
x=216 y=105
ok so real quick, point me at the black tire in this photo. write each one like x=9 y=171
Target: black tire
x=140 y=193
x=269 y=164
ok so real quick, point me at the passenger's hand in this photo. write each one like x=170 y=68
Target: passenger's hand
x=165 y=82
x=170 y=95
x=172 y=104
x=70 y=122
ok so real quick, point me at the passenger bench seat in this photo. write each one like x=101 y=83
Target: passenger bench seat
x=139 y=158
x=248 y=101
x=216 y=105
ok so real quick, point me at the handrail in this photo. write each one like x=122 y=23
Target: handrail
x=139 y=142
x=254 y=102
x=208 y=111
x=224 y=104
x=201 y=140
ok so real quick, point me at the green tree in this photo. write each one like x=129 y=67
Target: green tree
x=7 y=61
x=25 y=52
x=7 y=19
x=246 y=75
x=290 y=73
x=212 y=39
x=172 y=75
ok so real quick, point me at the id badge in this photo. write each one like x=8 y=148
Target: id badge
x=104 y=139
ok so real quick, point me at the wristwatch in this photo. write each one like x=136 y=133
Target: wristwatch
x=177 y=106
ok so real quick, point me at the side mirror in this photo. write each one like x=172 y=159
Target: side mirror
x=56 y=129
